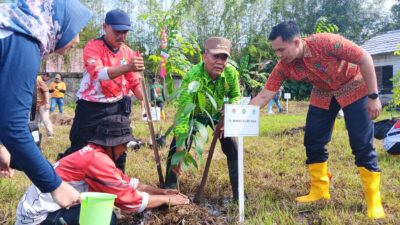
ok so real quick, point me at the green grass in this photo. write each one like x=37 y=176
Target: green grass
x=275 y=173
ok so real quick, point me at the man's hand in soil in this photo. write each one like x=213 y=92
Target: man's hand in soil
x=178 y=199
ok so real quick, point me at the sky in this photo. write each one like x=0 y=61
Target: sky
x=388 y=4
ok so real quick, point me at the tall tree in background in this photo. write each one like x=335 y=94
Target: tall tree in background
x=395 y=10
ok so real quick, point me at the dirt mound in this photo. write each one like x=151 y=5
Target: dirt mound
x=58 y=119
x=294 y=131
x=186 y=214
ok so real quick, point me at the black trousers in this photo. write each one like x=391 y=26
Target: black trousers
x=87 y=117
x=70 y=216
x=319 y=126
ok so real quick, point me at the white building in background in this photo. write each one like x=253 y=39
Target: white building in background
x=382 y=48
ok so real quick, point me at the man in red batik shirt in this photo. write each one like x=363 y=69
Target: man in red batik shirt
x=343 y=77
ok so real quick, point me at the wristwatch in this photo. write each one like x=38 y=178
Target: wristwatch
x=373 y=96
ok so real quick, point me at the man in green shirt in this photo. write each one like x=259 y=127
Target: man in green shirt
x=223 y=82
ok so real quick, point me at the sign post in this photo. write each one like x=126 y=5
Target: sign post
x=287 y=97
x=240 y=121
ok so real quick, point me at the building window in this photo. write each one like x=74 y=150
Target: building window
x=384 y=76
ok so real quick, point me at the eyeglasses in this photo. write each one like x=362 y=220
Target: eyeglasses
x=222 y=57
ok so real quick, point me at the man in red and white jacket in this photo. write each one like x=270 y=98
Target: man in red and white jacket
x=111 y=74
x=92 y=168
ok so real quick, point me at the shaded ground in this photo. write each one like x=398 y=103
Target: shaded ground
x=186 y=214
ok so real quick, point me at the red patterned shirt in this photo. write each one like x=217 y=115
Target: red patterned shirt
x=96 y=86
x=329 y=64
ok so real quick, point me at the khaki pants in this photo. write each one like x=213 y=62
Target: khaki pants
x=44 y=115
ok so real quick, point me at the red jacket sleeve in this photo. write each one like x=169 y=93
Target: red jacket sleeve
x=103 y=176
x=92 y=59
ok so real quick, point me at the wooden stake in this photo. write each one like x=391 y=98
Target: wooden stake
x=151 y=128
x=200 y=189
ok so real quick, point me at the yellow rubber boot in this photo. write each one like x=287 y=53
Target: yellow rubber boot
x=162 y=114
x=371 y=183
x=319 y=183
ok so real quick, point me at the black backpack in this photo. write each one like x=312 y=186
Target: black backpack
x=381 y=128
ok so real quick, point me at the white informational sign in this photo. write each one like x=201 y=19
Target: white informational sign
x=241 y=120
x=244 y=100
x=287 y=96
x=155 y=114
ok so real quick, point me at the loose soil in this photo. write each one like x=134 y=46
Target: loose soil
x=185 y=214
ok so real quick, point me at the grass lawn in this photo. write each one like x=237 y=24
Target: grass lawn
x=275 y=173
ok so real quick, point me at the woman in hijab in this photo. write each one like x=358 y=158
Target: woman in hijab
x=30 y=30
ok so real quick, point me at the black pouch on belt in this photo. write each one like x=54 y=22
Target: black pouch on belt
x=125 y=105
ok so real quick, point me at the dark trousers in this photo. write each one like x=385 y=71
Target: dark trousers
x=228 y=145
x=70 y=216
x=319 y=126
x=87 y=117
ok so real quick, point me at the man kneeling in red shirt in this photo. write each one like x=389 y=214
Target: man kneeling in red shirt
x=92 y=168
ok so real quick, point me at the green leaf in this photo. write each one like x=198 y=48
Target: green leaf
x=177 y=157
x=193 y=86
x=202 y=100
x=199 y=152
x=212 y=100
x=180 y=140
x=189 y=158
x=198 y=143
x=189 y=108
x=185 y=165
x=155 y=58
x=202 y=130
x=210 y=117
x=169 y=130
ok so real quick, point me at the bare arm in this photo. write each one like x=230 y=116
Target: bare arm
x=150 y=189
x=139 y=94
x=263 y=98
x=158 y=196
x=158 y=200
x=367 y=68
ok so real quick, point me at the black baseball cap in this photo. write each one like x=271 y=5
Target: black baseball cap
x=118 y=19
